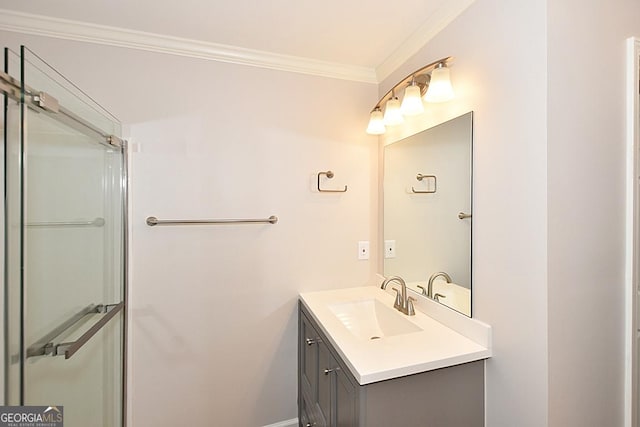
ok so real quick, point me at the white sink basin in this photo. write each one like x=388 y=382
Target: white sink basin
x=351 y=317
x=370 y=319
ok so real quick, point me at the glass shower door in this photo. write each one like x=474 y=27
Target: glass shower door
x=65 y=253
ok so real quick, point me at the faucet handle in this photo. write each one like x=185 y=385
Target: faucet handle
x=410 y=309
x=424 y=290
x=398 y=304
x=438 y=296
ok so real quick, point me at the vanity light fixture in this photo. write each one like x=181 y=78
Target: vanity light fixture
x=430 y=83
x=440 y=89
x=376 y=122
x=392 y=114
x=412 y=100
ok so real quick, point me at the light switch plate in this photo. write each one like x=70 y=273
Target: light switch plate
x=363 y=249
x=389 y=248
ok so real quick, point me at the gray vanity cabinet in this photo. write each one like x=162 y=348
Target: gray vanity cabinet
x=326 y=394
x=329 y=396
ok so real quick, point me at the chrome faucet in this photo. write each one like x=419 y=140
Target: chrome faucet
x=432 y=279
x=403 y=302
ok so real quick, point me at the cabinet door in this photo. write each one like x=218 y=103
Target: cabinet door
x=307 y=418
x=345 y=401
x=309 y=341
x=326 y=367
x=328 y=397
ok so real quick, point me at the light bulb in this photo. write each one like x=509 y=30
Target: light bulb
x=440 y=89
x=392 y=114
x=376 y=122
x=412 y=101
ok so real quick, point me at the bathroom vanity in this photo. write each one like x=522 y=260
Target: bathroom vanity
x=362 y=363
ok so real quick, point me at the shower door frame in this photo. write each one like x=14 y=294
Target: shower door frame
x=43 y=103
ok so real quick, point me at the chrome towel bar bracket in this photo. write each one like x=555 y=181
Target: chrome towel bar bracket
x=153 y=221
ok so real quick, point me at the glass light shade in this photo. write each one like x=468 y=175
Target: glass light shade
x=440 y=89
x=376 y=123
x=392 y=114
x=412 y=101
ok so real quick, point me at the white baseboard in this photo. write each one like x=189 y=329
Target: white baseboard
x=293 y=422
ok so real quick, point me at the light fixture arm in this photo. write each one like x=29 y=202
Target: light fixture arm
x=421 y=76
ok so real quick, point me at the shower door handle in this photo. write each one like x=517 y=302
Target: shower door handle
x=68 y=349
x=46 y=345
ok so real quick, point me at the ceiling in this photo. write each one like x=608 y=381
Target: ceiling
x=355 y=32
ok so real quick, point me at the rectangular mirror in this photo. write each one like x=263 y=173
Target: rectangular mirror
x=427 y=212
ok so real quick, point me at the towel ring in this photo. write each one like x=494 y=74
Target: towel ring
x=420 y=177
x=329 y=175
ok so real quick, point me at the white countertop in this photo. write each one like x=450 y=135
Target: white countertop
x=432 y=347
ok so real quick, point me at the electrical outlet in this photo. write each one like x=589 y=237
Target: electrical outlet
x=363 y=250
x=389 y=248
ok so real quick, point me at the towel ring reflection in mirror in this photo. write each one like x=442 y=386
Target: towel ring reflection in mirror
x=421 y=177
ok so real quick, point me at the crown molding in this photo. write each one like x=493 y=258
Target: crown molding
x=427 y=31
x=46 y=26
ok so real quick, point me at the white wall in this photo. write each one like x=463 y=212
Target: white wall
x=586 y=203
x=213 y=309
x=500 y=73
x=554 y=293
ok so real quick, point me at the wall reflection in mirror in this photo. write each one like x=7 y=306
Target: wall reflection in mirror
x=427 y=212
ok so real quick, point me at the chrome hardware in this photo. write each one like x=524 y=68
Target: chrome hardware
x=438 y=296
x=411 y=311
x=424 y=290
x=398 y=304
x=46 y=102
x=433 y=277
x=403 y=304
x=152 y=221
x=328 y=371
x=115 y=141
x=463 y=215
x=10 y=86
x=311 y=342
x=98 y=222
x=420 y=177
x=46 y=345
x=329 y=175
x=43 y=102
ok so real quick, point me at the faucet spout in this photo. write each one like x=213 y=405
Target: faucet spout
x=432 y=279
x=406 y=302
